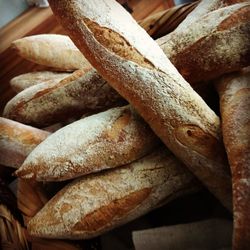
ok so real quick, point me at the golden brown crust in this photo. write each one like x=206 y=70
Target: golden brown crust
x=17 y=141
x=159 y=94
x=56 y=51
x=106 y=140
x=116 y=43
x=94 y=204
x=23 y=81
x=202 y=142
x=234 y=93
x=116 y=209
x=237 y=18
x=223 y=48
x=115 y=131
x=203 y=8
x=47 y=103
x=213 y=59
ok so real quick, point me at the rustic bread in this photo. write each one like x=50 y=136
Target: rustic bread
x=94 y=204
x=105 y=140
x=223 y=44
x=31 y=197
x=23 y=81
x=203 y=8
x=222 y=38
x=17 y=141
x=112 y=41
x=234 y=91
x=48 y=103
x=56 y=51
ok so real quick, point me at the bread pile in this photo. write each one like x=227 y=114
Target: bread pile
x=144 y=125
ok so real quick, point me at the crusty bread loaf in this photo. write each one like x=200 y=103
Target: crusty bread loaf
x=97 y=203
x=44 y=105
x=105 y=140
x=223 y=46
x=203 y=8
x=24 y=81
x=137 y=68
x=48 y=103
x=31 y=197
x=56 y=51
x=234 y=93
x=17 y=141
x=221 y=38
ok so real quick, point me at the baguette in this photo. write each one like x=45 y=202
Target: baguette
x=234 y=91
x=94 y=204
x=112 y=41
x=17 y=141
x=207 y=35
x=203 y=8
x=21 y=82
x=56 y=51
x=222 y=39
x=48 y=103
x=31 y=197
x=105 y=140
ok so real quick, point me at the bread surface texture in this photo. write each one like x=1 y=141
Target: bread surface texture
x=216 y=43
x=56 y=51
x=204 y=7
x=112 y=41
x=94 y=204
x=105 y=140
x=234 y=91
x=17 y=141
x=47 y=103
x=23 y=81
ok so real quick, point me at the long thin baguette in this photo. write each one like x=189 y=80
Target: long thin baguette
x=31 y=197
x=23 y=81
x=94 y=204
x=209 y=34
x=221 y=38
x=56 y=51
x=48 y=103
x=105 y=140
x=234 y=93
x=54 y=45
x=17 y=141
x=203 y=8
x=112 y=41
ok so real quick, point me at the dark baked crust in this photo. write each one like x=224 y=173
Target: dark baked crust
x=95 y=204
x=17 y=141
x=157 y=91
x=221 y=49
x=234 y=93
